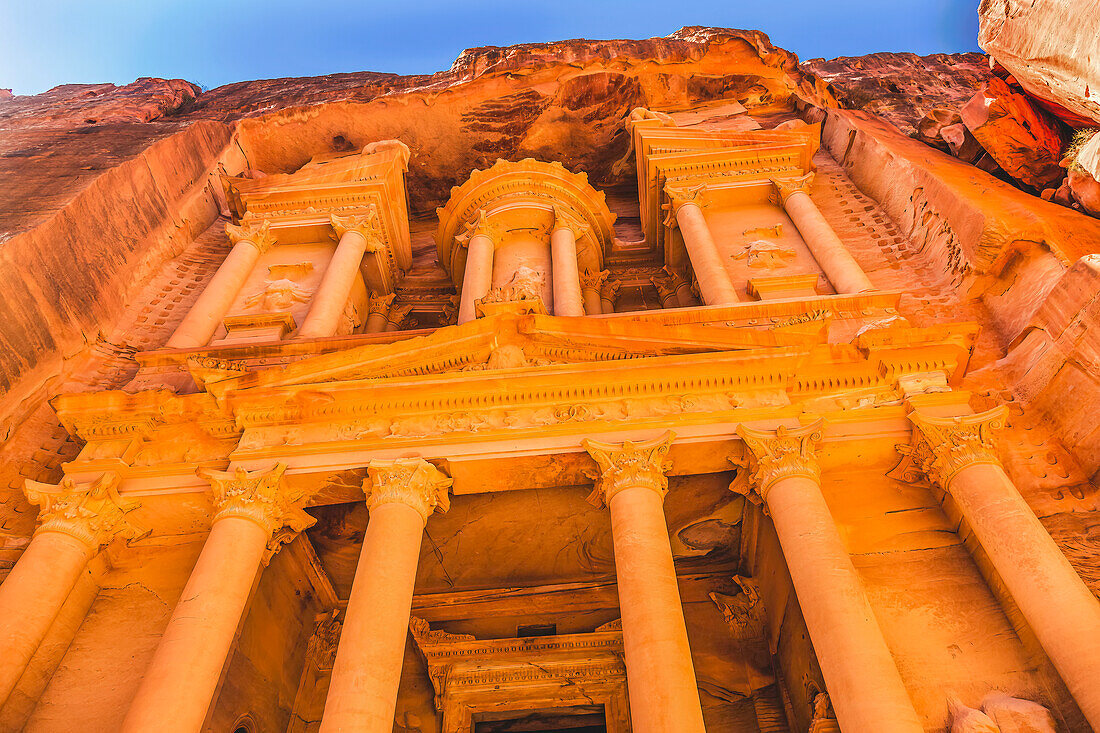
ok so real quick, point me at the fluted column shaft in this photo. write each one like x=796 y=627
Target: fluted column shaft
x=362 y=696
x=206 y=314
x=714 y=279
x=834 y=258
x=567 y=283
x=357 y=236
x=863 y=682
x=182 y=680
x=75 y=520
x=664 y=696
x=1058 y=606
x=478 y=276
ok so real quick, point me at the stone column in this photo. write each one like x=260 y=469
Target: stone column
x=74 y=522
x=609 y=293
x=401 y=495
x=834 y=258
x=182 y=680
x=664 y=696
x=683 y=288
x=378 y=312
x=478 y=275
x=206 y=314
x=397 y=316
x=959 y=454
x=359 y=235
x=863 y=682
x=687 y=213
x=591 y=284
x=566 y=231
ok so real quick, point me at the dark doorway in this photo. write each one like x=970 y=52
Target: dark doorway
x=571 y=720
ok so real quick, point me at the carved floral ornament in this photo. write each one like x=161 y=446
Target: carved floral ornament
x=410 y=481
x=940 y=447
x=566 y=219
x=679 y=196
x=479 y=226
x=93 y=512
x=787 y=187
x=258 y=234
x=774 y=455
x=260 y=496
x=629 y=465
x=368 y=226
x=593 y=279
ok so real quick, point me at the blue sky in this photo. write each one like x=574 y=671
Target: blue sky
x=212 y=42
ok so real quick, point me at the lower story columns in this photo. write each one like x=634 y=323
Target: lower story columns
x=74 y=521
x=182 y=680
x=958 y=453
x=664 y=696
x=401 y=495
x=864 y=685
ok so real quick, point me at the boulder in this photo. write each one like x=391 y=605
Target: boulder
x=1052 y=49
x=1025 y=141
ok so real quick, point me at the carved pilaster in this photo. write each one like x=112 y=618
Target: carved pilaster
x=942 y=446
x=773 y=455
x=410 y=481
x=379 y=305
x=566 y=219
x=368 y=226
x=594 y=280
x=258 y=234
x=785 y=187
x=93 y=513
x=260 y=496
x=629 y=465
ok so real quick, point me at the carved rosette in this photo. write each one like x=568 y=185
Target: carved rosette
x=379 y=305
x=786 y=187
x=410 y=481
x=259 y=496
x=368 y=226
x=943 y=446
x=629 y=465
x=594 y=280
x=93 y=513
x=566 y=219
x=774 y=455
x=258 y=234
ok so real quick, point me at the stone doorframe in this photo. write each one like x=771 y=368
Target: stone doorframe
x=487 y=679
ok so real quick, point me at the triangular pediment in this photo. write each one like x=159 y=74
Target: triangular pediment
x=519 y=341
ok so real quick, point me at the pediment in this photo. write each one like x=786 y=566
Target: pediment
x=517 y=341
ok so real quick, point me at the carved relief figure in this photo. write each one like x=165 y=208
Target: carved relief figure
x=764 y=254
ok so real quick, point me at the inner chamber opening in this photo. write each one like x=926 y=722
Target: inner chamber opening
x=571 y=720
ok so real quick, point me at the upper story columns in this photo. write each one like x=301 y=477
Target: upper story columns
x=834 y=258
x=865 y=687
x=524 y=232
x=685 y=205
x=959 y=455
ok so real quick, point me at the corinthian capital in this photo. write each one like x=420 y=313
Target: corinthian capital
x=93 y=513
x=379 y=305
x=368 y=226
x=773 y=455
x=943 y=446
x=566 y=219
x=479 y=226
x=258 y=234
x=629 y=465
x=594 y=279
x=260 y=496
x=786 y=187
x=410 y=481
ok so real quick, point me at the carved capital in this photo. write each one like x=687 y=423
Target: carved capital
x=679 y=196
x=786 y=187
x=666 y=290
x=379 y=305
x=593 y=279
x=629 y=465
x=410 y=481
x=479 y=226
x=773 y=455
x=93 y=513
x=674 y=277
x=450 y=308
x=609 y=290
x=943 y=446
x=368 y=226
x=260 y=496
x=258 y=234
x=566 y=219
